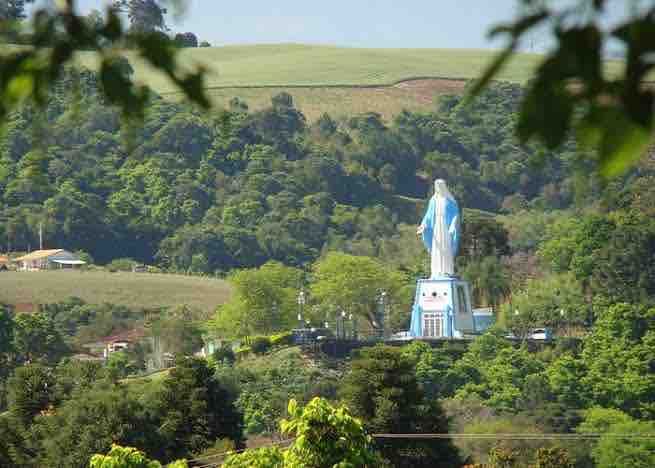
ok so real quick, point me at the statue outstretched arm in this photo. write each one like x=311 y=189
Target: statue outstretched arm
x=453 y=231
x=453 y=225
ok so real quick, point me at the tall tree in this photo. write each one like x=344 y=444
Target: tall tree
x=324 y=436
x=382 y=390
x=6 y=334
x=490 y=281
x=89 y=423
x=612 y=451
x=619 y=356
x=36 y=338
x=30 y=391
x=195 y=409
x=144 y=15
x=187 y=39
x=354 y=284
x=264 y=301
x=13 y=9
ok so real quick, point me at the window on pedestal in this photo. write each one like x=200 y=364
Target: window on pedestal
x=462 y=302
x=432 y=325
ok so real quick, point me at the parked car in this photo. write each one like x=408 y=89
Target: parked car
x=537 y=334
x=401 y=336
x=542 y=334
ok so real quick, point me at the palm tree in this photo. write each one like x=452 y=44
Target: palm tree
x=489 y=280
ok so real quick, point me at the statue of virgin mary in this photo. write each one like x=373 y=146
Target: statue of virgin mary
x=440 y=231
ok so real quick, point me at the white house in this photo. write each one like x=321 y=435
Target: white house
x=48 y=260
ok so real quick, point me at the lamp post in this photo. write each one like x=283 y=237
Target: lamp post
x=564 y=326
x=382 y=312
x=353 y=326
x=301 y=303
x=343 y=324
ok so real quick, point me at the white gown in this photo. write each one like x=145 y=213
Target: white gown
x=442 y=260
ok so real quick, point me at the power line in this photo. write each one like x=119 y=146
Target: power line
x=521 y=436
x=461 y=436
x=232 y=452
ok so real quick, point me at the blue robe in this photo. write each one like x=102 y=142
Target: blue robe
x=452 y=215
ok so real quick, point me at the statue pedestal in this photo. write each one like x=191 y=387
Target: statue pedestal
x=442 y=309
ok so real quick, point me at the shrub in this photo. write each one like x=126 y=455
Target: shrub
x=121 y=264
x=281 y=339
x=260 y=344
x=187 y=39
x=224 y=354
x=242 y=351
x=85 y=257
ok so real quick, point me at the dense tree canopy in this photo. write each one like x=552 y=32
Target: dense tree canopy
x=230 y=189
x=382 y=389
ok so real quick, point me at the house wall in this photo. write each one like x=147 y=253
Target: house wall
x=33 y=265
x=47 y=262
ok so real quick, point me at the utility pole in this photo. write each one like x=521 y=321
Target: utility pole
x=301 y=302
x=5 y=218
x=40 y=236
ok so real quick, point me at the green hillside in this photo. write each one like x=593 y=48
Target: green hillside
x=337 y=80
x=312 y=65
x=334 y=79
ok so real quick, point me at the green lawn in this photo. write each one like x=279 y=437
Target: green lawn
x=337 y=80
x=131 y=289
x=316 y=65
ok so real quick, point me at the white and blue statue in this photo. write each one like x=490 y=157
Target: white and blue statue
x=442 y=305
x=440 y=230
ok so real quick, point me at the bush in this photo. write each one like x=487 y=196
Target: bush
x=260 y=344
x=224 y=354
x=187 y=39
x=85 y=257
x=242 y=351
x=121 y=264
x=282 y=339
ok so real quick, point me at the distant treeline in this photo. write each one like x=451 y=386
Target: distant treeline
x=233 y=188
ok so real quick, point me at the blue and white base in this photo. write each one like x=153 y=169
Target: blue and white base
x=442 y=309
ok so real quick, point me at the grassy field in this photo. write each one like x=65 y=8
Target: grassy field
x=332 y=79
x=131 y=289
x=285 y=65
x=417 y=95
x=335 y=79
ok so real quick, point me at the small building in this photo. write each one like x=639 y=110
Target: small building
x=49 y=260
x=4 y=263
x=122 y=341
x=483 y=319
x=115 y=346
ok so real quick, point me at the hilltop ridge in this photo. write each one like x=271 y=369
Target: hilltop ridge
x=324 y=78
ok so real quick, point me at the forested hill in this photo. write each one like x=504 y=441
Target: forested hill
x=210 y=192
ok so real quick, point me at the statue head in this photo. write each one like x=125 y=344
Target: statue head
x=441 y=189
